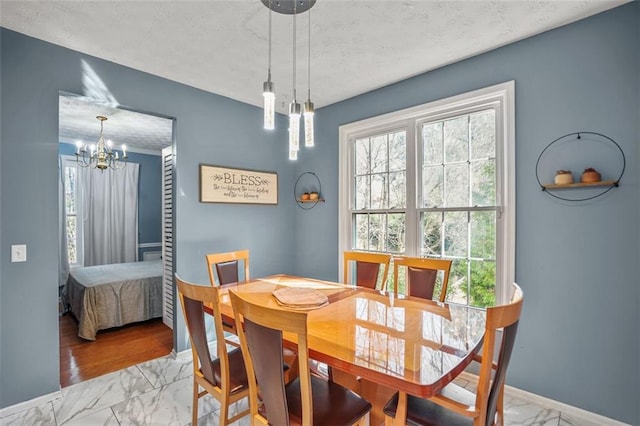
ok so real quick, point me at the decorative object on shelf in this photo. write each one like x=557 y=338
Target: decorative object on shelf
x=591 y=180
x=590 y=175
x=563 y=177
x=100 y=155
x=292 y=7
x=307 y=191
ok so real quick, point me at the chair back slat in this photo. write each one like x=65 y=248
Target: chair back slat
x=367 y=274
x=265 y=346
x=504 y=356
x=227 y=272
x=194 y=317
x=421 y=282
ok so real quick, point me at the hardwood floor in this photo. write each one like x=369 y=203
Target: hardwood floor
x=113 y=349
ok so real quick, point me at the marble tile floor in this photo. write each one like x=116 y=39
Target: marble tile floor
x=159 y=392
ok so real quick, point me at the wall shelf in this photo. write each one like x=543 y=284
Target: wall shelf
x=306 y=183
x=581 y=185
x=599 y=188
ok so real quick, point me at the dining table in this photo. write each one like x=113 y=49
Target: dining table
x=377 y=342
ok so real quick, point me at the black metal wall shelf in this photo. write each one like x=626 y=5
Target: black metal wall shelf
x=604 y=186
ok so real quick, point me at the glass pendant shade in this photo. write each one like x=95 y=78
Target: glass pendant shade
x=308 y=124
x=269 y=105
x=294 y=127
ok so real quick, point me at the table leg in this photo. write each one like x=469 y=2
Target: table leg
x=377 y=395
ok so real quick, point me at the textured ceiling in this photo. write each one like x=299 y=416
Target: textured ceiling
x=356 y=46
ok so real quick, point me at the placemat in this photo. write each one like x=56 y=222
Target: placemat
x=300 y=297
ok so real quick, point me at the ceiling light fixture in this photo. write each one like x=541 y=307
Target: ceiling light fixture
x=101 y=154
x=267 y=90
x=292 y=7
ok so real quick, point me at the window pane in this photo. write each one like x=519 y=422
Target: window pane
x=71 y=240
x=432 y=143
x=483 y=182
x=379 y=158
x=376 y=232
x=431 y=234
x=396 y=232
x=70 y=203
x=361 y=233
x=457 y=185
x=432 y=186
x=379 y=191
x=70 y=179
x=483 y=278
x=483 y=134
x=457 y=288
x=362 y=156
x=455 y=234
x=362 y=193
x=456 y=134
x=397 y=190
x=397 y=151
x=483 y=235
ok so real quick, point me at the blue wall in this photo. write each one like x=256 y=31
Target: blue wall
x=577 y=263
x=209 y=128
x=149 y=196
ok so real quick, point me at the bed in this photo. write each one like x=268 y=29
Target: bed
x=108 y=296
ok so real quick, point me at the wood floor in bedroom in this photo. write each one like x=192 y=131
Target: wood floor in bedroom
x=113 y=349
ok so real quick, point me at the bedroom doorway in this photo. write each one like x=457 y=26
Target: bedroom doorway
x=91 y=201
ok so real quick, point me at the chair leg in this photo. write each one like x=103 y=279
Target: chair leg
x=196 y=396
x=224 y=410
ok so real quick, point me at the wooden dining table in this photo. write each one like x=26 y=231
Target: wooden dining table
x=377 y=342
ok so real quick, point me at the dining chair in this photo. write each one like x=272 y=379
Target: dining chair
x=421 y=276
x=456 y=406
x=367 y=268
x=226 y=267
x=223 y=377
x=307 y=400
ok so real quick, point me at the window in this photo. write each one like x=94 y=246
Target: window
x=73 y=209
x=437 y=180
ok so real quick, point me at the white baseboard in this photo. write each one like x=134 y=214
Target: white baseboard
x=32 y=403
x=551 y=403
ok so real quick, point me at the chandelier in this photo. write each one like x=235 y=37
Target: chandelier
x=101 y=154
x=291 y=7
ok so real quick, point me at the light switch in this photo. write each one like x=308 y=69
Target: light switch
x=19 y=253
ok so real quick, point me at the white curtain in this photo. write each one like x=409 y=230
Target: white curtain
x=110 y=214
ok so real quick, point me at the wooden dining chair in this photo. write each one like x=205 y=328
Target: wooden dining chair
x=307 y=400
x=454 y=405
x=226 y=266
x=224 y=377
x=421 y=276
x=367 y=268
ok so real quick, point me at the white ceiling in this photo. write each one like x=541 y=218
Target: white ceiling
x=356 y=46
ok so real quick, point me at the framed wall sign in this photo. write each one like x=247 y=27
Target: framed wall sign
x=228 y=185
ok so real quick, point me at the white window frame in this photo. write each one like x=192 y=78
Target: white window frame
x=69 y=161
x=502 y=98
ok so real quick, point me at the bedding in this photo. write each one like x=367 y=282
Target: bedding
x=108 y=296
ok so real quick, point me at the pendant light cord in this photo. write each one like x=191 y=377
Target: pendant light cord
x=294 y=48
x=309 y=59
x=269 y=75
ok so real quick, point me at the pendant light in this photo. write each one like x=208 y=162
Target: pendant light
x=267 y=90
x=294 y=106
x=308 y=106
